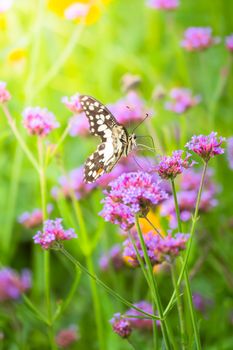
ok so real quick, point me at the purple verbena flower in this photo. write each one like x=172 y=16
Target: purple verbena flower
x=73 y=182
x=121 y=325
x=198 y=38
x=4 y=93
x=67 y=337
x=230 y=152
x=229 y=42
x=33 y=219
x=79 y=125
x=206 y=146
x=39 y=121
x=171 y=166
x=113 y=258
x=12 y=285
x=130 y=194
x=182 y=100
x=141 y=323
x=129 y=109
x=72 y=103
x=159 y=249
x=53 y=231
x=163 y=4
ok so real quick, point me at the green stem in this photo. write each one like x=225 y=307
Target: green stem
x=47 y=277
x=19 y=138
x=184 y=262
x=55 y=68
x=153 y=286
x=50 y=155
x=103 y=285
x=180 y=308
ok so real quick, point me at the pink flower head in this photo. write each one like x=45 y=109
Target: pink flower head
x=72 y=103
x=121 y=325
x=39 y=121
x=141 y=323
x=159 y=249
x=76 y=10
x=230 y=152
x=229 y=42
x=113 y=258
x=12 y=285
x=67 y=337
x=198 y=38
x=33 y=219
x=5 y=5
x=73 y=182
x=129 y=109
x=53 y=231
x=163 y=4
x=182 y=100
x=171 y=166
x=130 y=194
x=206 y=146
x=4 y=93
x=79 y=125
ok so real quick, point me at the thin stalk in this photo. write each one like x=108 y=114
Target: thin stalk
x=152 y=225
x=184 y=262
x=179 y=308
x=19 y=138
x=153 y=286
x=49 y=156
x=103 y=285
x=47 y=277
x=62 y=59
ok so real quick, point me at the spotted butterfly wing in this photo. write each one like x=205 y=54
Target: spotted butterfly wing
x=115 y=139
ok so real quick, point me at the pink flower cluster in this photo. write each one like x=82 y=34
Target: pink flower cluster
x=53 y=231
x=163 y=4
x=67 y=337
x=39 y=121
x=159 y=249
x=76 y=10
x=229 y=42
x=170 y=167
x=182 y=100
x=129 y=109
x=33 y=219
x=72 y=103
x=12 y=285
x=130 y=194
x=4 y=93
x=198 y=38
x=112 y=259
x=79 y=125
x=121 y=325
x=206 y=146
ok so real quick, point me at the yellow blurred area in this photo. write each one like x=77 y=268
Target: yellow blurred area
x=95 y=7
x=2 y=21
x=17 y=55
x=146 y=227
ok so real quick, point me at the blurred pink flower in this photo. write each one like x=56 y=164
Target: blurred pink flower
x=67 y=337
x=163 y=4
x=72 y=103
x=182 y=100
x=198 y=38
x=141 y=323
x=4 y=93
x=33 y=219
x=229 y=42
x=12 y=285
x=112 y=259
x=5 y=5
x=79 y=125
x=39 y=121
x=129 y=109
x=121 y=325
x=76 y=10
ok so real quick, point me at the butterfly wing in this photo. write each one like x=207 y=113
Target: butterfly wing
x=100 y=118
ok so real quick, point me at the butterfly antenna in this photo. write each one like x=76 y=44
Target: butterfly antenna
x=147 y=115
x=137 y=163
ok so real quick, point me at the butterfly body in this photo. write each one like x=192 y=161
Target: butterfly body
x=116 y=142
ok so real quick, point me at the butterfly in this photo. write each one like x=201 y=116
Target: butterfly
x=115 y=139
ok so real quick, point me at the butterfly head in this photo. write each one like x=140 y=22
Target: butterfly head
x=131 y=143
